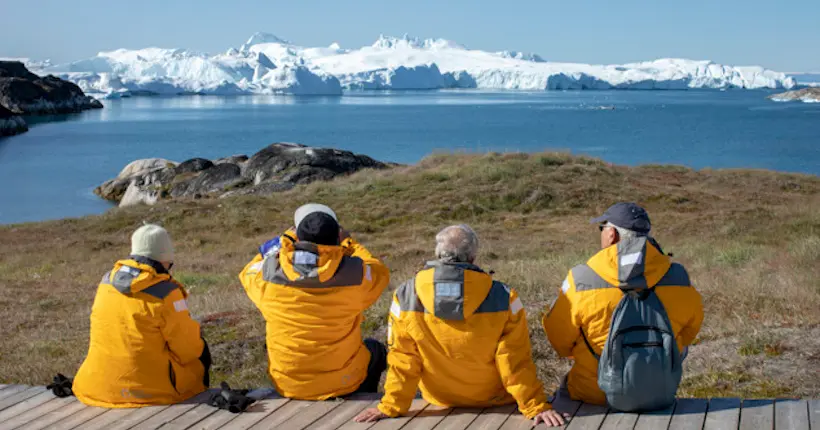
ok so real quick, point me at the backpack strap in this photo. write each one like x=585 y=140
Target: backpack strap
x=589 y=346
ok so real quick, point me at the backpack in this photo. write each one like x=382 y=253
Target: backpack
x=640 y=366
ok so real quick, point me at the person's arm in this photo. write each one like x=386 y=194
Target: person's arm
x=559 y=322
x=513 y=358
x=181 y=332
x=376 y=274
x=690 y=331
x=251 y=279
x=404 y=366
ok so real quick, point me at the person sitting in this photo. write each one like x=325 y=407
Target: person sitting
x=312 y=285
x=145 y=348
x=461 y=337
x=626 y=316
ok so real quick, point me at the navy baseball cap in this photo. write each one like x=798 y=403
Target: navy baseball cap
x=626 y=215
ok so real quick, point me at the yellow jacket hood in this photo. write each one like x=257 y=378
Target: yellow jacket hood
x=629 y=263
x=452 y=291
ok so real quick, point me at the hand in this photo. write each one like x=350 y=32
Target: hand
x=370 y=416
x=551 y=418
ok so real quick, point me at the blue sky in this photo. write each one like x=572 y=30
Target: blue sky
x=780 y=35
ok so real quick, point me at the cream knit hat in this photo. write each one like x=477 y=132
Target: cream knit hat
x=154 y=242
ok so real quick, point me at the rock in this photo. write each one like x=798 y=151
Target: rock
x=11 y=124
x=806 y=95
x=193 y=165
x=24 y=93
x=278 y=167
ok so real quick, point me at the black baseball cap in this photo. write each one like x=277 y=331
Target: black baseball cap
x=319 y=228
x=626 y=215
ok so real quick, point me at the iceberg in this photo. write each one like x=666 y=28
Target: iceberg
x=267 y=64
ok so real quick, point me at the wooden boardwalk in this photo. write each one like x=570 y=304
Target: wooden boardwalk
x=31 y=408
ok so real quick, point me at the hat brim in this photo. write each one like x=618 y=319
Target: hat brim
x=598 y=220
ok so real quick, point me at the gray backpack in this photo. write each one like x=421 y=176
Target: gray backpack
x=639 y=368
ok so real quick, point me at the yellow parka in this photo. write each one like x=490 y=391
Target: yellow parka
x=313 y=298
x=461 y=338
x=145 y=348
x=591 y=293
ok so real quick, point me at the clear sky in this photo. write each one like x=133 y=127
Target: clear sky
x=782 y=35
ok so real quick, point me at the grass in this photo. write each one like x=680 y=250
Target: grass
x=750 y=240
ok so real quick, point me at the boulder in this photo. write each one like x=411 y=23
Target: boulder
x=11 y=124
x=807 y=95
x=278 y=167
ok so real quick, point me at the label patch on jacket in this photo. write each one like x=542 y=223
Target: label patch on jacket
x=448 y=289
x=133 y=271
x=181 y=305
x=395 y=309
x=306 y=258
x=565 y=286
x=630 y=259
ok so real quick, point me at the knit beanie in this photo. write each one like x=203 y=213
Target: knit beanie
x=154 y=242
x=319 y=228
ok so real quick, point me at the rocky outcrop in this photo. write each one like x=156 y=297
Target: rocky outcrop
x=24 y=93
x=278 y=167
x=806 y=95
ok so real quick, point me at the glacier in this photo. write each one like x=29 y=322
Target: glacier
x=267 y=64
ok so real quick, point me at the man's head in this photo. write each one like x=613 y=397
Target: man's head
x=154 y=242
x=622 y=221
x=316 y=223
x=457 y=244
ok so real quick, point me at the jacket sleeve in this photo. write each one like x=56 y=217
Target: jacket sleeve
x=560 y=323
x=181 y=332
x=404 y=366
x=376 y=275
x=690 y=331
x=513 y=357
x=252 y=281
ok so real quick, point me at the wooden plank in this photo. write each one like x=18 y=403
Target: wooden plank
x=286 y=412
x=416 y=407
x=107 y=418
x=814 y=414
x=655 y=420
x=459 y=418
x=4 y=386
x=312 y=414
x=343 y=414
x=516 y=421
x=428 y=418
x=23 y=407
x=722 y=414
x=255 y=413
x=19 y=397
x=492 y=418
x=689 y=414
x=188 y=419
x=791 y=414
x=36 y=412
x=757 y=414
x=46 y=419
x=589 y=416
x=619 y=421
x=165 y=416
x=135 y=418
x=12 y=390
x=76 y=420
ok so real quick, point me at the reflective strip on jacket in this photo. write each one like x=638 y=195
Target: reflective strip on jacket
x=461 y=338
x=313 y=298
x=145 y=348
x=591 y=293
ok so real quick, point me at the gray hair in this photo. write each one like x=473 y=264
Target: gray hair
x=625 y=234
x=457 y=244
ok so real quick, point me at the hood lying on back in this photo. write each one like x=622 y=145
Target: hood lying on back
x=452 y=291
x=632 y=263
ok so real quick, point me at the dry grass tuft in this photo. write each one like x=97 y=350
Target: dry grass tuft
x=750 y=240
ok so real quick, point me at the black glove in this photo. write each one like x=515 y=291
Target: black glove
x=61 y=387
x=234 y=401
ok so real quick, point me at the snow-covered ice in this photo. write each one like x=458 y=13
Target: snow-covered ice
x=267 y=64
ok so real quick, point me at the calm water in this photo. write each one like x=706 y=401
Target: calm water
x=50 y=171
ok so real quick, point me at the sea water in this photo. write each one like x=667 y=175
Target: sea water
x=50 y=171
